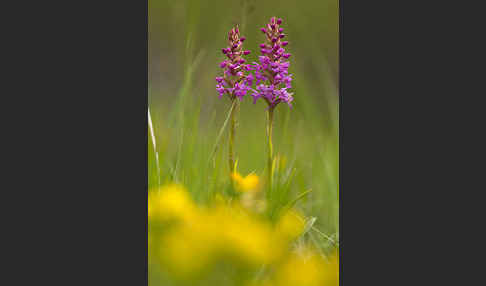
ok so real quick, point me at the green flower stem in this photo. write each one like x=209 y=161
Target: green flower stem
x=270 y=146
x=234 y=124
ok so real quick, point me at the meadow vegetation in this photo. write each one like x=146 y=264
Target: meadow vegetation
x=214 y=224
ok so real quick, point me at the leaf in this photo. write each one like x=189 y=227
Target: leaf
x=299 y=197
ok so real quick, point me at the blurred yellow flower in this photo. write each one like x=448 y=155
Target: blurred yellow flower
x=188 y=249
x=249 y=239
x=223 y=232
x=250 y=183
x=332 y=273
x=291 y=224
x=304 y=269
x=170 y=202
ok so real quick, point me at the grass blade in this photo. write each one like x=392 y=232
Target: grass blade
x=220 y=134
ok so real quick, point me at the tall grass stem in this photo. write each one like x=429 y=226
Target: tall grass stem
x=151 y=128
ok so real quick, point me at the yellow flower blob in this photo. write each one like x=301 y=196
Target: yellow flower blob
x=308 y=268
x=170 y=202
x=291 y=224
x=250 y=183
x=302 y=271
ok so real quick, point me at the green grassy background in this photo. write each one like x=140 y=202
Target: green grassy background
x=185 y=41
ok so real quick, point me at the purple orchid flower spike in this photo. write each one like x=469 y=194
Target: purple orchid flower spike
x=271 y=72
x=234 y=82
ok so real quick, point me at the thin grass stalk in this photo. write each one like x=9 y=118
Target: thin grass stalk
x=154 y=144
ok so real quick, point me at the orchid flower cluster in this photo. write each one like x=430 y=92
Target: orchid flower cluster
x=234 y=82
x=271 y=73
